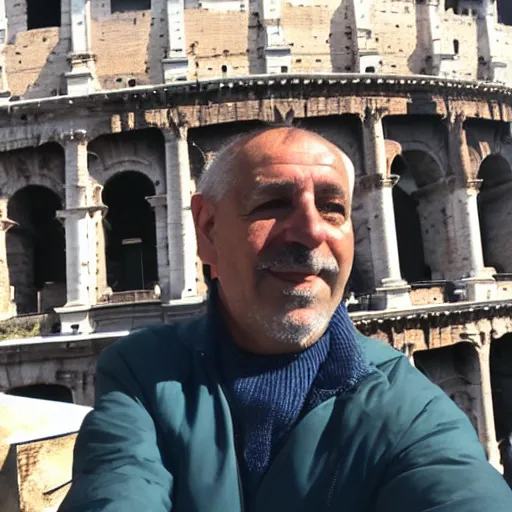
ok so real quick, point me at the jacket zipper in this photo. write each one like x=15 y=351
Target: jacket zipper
x=332 y=488
x=238 y=475
x=239 y=478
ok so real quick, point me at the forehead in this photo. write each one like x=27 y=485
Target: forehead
x=295 y=161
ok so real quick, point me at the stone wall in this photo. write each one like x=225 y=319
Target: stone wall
x=399 y=36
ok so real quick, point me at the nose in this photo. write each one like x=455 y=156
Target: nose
x=305 y=224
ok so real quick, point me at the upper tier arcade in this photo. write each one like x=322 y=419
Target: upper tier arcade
x=80 y=46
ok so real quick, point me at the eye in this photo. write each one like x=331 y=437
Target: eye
x=273 y=204
x=332 y=208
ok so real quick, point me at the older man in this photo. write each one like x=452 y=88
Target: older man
x=272 y=401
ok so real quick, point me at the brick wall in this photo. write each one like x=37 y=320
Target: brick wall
x=395 y=35
x=36 y=61
x=320 y=33
x=319 y=36
x=121 y=43
x=216 y=39
x=465 y=30
x=504 y=48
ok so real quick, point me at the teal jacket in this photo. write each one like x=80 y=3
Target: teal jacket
x=160 y=439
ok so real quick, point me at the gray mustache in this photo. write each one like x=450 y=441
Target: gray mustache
x=298 y=259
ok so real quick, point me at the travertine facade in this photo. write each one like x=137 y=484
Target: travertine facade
x=107 y=119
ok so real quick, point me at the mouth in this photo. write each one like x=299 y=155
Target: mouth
x=293 y=277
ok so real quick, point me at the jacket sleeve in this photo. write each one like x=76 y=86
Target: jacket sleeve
x=117 y=461
x=439 y=465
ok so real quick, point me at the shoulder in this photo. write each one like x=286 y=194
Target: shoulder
x=155 y=348
x=405 y=396
x=398 y=373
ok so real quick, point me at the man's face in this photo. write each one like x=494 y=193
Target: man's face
x=281 y=238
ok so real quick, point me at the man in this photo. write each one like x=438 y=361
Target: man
x=272 y=401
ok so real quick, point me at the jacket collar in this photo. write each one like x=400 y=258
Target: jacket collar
x=344 y=368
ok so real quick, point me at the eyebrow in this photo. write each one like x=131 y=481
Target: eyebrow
x=278 y=187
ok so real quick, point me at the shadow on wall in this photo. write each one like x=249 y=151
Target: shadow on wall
x=342 y=39
x=54 y=392
x=51 y=81
x=420 y=61
x=157 y=42
x=255 y=40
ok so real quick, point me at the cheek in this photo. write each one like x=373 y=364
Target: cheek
x=240 y=243
x=343 y=246
x=258 y=234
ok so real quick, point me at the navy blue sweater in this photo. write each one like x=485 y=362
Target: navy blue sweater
x=266 y=396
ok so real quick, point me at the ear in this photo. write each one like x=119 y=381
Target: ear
x=203 y=213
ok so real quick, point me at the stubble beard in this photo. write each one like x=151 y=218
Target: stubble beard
x=284 y=328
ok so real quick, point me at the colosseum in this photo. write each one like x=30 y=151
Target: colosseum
x=110 y=109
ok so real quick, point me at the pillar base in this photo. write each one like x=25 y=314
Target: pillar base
x=174 y=69
x=80 y=80
x=5 y=97
x=395 y=293
x=480 y=287
x=75 y=320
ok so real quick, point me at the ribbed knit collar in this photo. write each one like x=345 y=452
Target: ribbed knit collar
x=343 y=369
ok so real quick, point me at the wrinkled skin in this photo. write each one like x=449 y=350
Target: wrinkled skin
x=280 y=239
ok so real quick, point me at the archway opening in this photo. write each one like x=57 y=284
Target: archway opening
x=36 y=250
x=54 y=392
x=408 y=226
x=495 y=213
x=130 y=232
x=129 y=5
x=505 y=12
x=501 y=381
x=43 y=14
x=455 y=370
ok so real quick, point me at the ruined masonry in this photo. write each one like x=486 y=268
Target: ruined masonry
x=109 y=111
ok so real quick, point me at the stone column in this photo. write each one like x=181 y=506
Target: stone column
x=476 y=278
x=366 y=58
x=7 y=308
x=4 y=92
x=492 y=67
x=81 y=230
x=175 y=64
x=486 y=426
x=159 y=204
x=80 y=80
x=377 y=186
x=180 y=225
x=278 y=57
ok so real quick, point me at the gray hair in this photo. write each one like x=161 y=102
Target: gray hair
x=219 y=174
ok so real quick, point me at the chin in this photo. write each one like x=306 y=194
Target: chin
x=298 y=327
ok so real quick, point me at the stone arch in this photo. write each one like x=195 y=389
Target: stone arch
x=140 y=150
x=455 y=370
x=424 y=166
x=42 y=166
x=393 y=149
x=134 y=164
x=54 y=392
x=130 y=232
x=495 y=212
x=35 y=247
x=417 y=170
x=475 y=159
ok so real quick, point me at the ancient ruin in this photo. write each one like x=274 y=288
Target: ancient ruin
x=109 y=111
